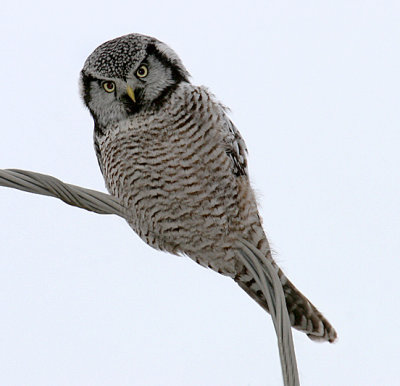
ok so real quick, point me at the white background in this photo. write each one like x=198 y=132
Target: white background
x=314 y=89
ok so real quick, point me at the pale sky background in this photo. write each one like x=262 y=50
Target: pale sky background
x=314 y=89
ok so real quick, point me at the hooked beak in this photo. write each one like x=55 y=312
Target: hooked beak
x=131 y=93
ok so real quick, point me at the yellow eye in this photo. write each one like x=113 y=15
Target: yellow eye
x=109 y=86
x=142 y=71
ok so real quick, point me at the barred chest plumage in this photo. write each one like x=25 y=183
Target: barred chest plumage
x=171 y=171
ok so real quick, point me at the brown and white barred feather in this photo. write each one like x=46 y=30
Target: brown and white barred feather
x=181 y=173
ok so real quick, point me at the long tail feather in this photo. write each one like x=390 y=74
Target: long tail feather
x=303 y=315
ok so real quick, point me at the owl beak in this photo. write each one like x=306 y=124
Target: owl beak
x=131 y=93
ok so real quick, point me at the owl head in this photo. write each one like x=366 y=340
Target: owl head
x=128 y=74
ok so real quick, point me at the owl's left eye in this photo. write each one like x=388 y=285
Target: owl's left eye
x=109 y=86
x=142 y=71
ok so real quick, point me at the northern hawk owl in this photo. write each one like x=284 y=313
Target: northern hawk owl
x=169 y=152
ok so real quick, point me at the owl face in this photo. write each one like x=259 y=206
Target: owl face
x=129 y=74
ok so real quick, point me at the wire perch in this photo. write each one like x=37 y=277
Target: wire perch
x=267 y=278
x=261 y=269
x=83 y=198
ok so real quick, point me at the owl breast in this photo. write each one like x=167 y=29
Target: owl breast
x=170 y=170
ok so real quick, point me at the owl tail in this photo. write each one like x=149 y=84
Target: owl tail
x=303 y=315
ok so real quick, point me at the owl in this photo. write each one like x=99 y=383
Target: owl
x=171 y=155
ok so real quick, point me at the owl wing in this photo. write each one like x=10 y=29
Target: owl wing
x=235 y=148
x=98 y=152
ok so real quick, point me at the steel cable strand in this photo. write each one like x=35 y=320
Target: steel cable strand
x=43 y=184
x=267 y=278
x=256 y=263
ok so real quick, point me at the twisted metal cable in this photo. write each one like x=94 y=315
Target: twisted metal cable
x=267 y=278
x=83 y=198
x=256 y=263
